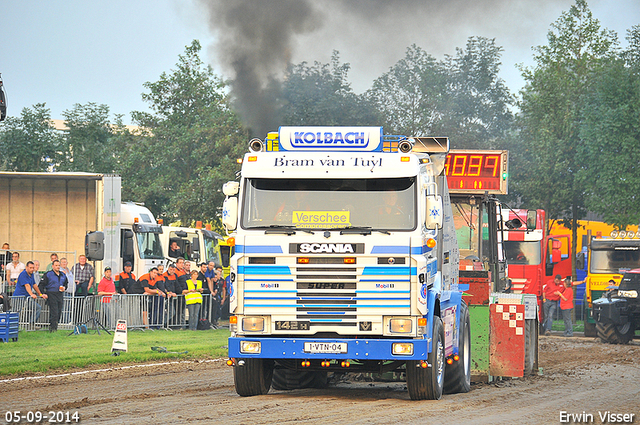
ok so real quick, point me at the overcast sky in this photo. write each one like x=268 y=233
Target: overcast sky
x=64 y=52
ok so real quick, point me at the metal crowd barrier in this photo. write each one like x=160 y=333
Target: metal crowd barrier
x=140 y=311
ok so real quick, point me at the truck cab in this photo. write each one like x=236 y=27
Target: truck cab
x=607 y=260
x=533 y=256
x=193 y=244
x=129 y=233
x=140 y=239
x=345 y=259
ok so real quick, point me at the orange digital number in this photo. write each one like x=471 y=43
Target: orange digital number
x=475 y=165
x=492 y=161
x=459 y=169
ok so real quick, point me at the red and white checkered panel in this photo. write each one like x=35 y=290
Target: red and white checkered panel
x=506 y=343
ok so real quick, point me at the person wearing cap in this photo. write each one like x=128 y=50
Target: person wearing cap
x=125 y=279
x=106 y=289
x=550 y=298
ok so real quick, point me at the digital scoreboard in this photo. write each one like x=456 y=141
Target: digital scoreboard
x=477 y=171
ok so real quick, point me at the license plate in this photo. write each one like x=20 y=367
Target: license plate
x=292 y=325
x=325 y=347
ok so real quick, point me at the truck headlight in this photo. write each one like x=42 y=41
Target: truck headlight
x=400 y=326
x=628 y=294
x=250 y=347
x=253 y=324
x=402 y=348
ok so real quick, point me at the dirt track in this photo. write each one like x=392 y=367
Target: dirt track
x=578 y=375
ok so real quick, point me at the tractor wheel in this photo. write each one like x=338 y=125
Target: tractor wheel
x=608 y=332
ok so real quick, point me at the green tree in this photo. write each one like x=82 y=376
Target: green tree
x=321 y=95
x=29 y=143
x=610 y=132
x=410 y=94
x=461 y=97
x=88 y=139
x=552 y=105
x=188 y=146
x=476 y=108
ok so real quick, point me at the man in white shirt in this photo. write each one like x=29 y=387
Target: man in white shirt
x=13 y=270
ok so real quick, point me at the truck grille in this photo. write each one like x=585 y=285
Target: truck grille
x=327 y=292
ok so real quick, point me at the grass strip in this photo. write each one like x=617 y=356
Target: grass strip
x=42 y=352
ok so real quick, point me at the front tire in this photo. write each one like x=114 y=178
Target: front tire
x=428 y=383
x=288 y=379
x=608 y=332
x=457 y=376
x=253 y=377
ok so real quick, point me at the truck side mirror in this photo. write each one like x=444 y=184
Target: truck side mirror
x=230 y=213
x=433 y=220
x=94 y=246
x=231 y=188
x=195 y=249
x=532 y=219
x=556 y=255
x=127 y=249
x=580 y=260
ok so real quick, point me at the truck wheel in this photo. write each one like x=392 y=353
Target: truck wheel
x=253 y=378
x=289 y=379
x=427 y=383
x=608 y=332
x=457 y=376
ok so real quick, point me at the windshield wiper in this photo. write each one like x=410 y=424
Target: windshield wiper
x=363 y=230
x=282 y=228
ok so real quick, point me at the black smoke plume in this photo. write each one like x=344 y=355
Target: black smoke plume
x=258 y=39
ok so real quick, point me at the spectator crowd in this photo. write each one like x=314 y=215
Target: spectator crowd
x=165 y=295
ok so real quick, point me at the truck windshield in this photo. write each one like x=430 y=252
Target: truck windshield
x=149 y=246
x=525 y=253
x=467 y=219
x=212 y=250
x=610 y=261
x=381 y=204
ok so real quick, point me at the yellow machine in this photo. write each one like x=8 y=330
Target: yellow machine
x=607 y=260
x=226 y=251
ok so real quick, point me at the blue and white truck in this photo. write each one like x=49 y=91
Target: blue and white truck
x=346 y=260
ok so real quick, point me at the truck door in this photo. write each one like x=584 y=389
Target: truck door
x=558 y=255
